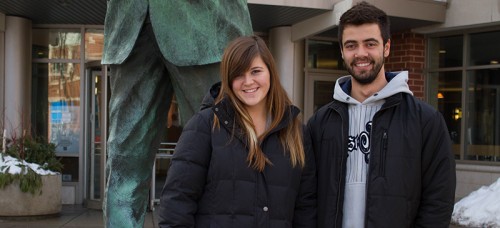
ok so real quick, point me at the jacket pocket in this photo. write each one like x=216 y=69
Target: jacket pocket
x=383 y=152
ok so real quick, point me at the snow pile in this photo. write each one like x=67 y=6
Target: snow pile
x=481 y=208
x=13 y=165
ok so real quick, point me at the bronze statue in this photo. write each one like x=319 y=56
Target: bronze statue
x=154 y=49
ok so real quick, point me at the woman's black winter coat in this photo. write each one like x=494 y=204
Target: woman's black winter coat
x=210 y=183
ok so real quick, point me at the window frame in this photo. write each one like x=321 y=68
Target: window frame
x=464 y=69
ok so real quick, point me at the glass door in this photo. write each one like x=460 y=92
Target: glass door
x=95 y=126
x=318 y=91
x=324 y=65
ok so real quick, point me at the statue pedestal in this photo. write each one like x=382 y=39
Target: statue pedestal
x=17 y=203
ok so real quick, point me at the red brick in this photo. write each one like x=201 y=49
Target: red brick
x=408 y=58
x=415 y=65
x=419 y=47
x=398 y=66
x=396 y=47
x=418 y=82
x=399 y=53
x=395 y=59
x=415 y=52
x=419 y=59
x=408 y=46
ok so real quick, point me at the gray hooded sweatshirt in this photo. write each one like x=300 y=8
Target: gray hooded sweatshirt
x=360 y=122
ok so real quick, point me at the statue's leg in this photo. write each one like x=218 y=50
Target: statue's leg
x=140 y=96
x=191 y=83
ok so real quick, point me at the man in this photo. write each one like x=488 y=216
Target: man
x=156 y=48
x=384 y=157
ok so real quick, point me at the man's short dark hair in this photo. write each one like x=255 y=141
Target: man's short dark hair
x=365 y=13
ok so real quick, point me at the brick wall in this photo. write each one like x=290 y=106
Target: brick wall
x=408 y=53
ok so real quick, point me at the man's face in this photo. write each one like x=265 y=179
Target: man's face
x=363 y=52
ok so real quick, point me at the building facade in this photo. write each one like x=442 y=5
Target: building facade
x=52 y=82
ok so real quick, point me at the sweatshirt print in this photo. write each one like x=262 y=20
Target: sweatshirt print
x=358 y=159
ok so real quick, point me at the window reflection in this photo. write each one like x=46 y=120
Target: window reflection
x=446 y=51
x=94 y=43
x=483 y=123
x=484 y=48
x=474 y=125
x=324 y=55
x=448 y=96
x=58 y=104
x=56 y=43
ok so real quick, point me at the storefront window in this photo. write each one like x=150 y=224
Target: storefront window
x=446 y=52
x=464 y=85
x=484 y=48
x=449 y=103
x=56 y=43
x=57 y=104
x=59 y=89
x=56 y=93
x=483 y=120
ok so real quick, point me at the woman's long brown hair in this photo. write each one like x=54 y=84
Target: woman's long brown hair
x=237 y=59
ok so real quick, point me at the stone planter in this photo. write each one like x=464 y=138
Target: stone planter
x=17 y=203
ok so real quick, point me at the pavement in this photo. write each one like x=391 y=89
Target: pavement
x=71 y=216
x=77 y=216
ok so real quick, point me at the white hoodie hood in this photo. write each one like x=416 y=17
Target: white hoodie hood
x=397 y=83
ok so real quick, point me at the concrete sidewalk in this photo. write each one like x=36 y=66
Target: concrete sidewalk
x=73 y=216
x=76 y=216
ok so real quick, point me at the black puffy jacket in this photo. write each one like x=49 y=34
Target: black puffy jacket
x=411 y=179
x=210 y=184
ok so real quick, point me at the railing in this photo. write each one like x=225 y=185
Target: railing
x=166 y=151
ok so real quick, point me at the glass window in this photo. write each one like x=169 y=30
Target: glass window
x=57 y=104
x=447 y=97
x=324 y=55
x=484 y=48
x=445 y=52
x=70 y=169
x=94 y=43
x=468 y=97
x=483 y=122
x=56 y=43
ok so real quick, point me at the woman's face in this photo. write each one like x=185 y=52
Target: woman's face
x=252 y=86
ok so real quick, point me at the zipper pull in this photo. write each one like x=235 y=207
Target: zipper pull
x=384 y=140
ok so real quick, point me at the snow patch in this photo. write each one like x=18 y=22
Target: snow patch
x=480 y=208
x=13 y=165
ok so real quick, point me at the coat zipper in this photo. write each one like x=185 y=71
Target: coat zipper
x=342 y=168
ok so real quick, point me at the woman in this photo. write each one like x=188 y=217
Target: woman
x=242 y=162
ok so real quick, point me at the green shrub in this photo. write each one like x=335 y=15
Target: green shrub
x=38 y=151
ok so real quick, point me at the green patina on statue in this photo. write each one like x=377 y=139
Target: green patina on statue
x=154 y=49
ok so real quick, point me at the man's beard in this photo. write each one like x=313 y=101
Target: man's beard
x=365 y=77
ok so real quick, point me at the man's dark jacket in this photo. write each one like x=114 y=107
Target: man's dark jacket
x=210 y=183
x=411 y=179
